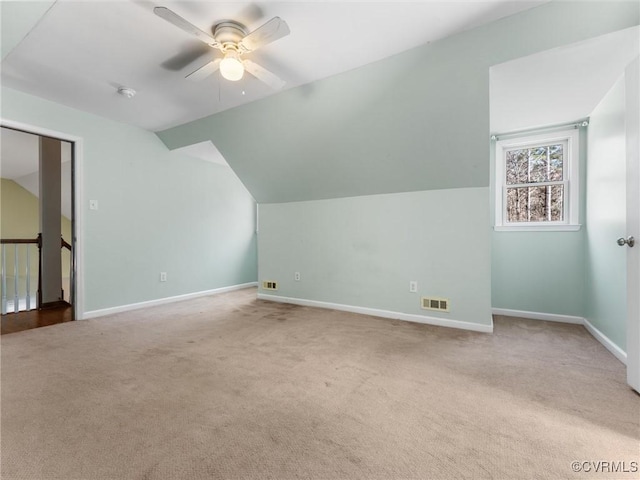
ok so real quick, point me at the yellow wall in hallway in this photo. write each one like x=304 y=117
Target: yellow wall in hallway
x=19 y=218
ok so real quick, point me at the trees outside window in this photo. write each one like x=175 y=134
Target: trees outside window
x=537 y=181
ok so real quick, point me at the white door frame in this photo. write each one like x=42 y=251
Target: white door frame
x=78 y=233
x=632 y=121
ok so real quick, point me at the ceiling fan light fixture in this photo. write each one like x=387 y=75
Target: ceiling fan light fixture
x=233 y=40
x=231 y=66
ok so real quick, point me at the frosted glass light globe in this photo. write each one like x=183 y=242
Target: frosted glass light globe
x=231 y=67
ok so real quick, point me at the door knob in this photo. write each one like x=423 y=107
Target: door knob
x=626 y=241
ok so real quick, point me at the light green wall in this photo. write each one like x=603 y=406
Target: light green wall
x=426 y=131
x=158 y=211
x=540 y=272
x=415 y=121
x=606 y=218
x=364 y=251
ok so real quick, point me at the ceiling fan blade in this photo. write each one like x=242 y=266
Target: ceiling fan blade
x=205 y=70
x=181 y=23
x=263 y=75
x=187 y=57
x=272 y=30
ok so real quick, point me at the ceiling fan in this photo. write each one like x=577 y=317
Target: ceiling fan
x=233 y=40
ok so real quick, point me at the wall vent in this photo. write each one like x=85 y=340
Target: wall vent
x=433 y=303
x=269 y=285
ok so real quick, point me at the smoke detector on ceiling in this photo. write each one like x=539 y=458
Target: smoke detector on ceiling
x=127 y=92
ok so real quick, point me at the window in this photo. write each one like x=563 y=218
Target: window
x=537 y=182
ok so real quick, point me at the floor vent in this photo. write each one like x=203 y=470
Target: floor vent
x=269 y=285
x=438 y=304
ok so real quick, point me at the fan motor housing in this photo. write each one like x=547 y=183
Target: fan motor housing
x=229 y=31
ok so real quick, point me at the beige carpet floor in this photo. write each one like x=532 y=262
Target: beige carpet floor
x=232 y=387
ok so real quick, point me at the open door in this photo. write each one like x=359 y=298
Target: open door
x=632 y=120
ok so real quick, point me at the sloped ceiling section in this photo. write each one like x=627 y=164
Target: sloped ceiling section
x=415 y=121
x=570 y=88
x=24 y=16
x=386 y=127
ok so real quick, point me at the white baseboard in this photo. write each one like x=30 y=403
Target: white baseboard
x=615 y=350
x=549 y=317
x=442 y=322
x=163 y=301
x=604 y=340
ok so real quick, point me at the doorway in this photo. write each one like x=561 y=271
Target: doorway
x=38 y=260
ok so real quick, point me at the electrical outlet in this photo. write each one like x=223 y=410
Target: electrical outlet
x=413 y=286
x=163 y=276
x=296 y=276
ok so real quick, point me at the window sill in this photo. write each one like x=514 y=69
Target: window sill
x=538 y=228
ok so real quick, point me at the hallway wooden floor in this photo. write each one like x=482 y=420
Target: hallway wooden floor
x=17 y=322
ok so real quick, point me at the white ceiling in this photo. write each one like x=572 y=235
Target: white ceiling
x=87 y=49
x=561 y=85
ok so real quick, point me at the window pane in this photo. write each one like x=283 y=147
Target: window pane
x=543 y=203
x=535 y=164
x=517 y=166
x=556 y=157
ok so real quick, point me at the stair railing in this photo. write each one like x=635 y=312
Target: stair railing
x=65 y=244
x=16 y=243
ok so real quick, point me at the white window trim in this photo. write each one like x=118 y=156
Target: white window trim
x=572 y=172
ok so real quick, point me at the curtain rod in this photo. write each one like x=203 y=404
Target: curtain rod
x=578 y=124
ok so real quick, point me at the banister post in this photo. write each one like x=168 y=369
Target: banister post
x=39 y=296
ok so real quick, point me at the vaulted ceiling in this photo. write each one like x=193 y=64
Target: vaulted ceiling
x=86 y=50
x=381 y=97
x=419 y=120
